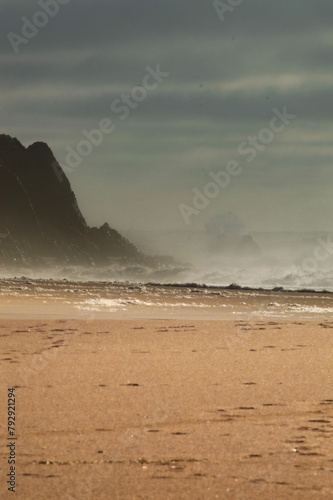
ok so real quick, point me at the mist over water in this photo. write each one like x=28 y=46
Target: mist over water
x=220 y=253
x=229 y=254
x=264 y=259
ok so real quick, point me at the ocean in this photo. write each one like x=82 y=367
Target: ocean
x=294 y=261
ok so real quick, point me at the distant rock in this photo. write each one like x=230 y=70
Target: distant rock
x=234 y=286
x=227 y=236
x=40 y=221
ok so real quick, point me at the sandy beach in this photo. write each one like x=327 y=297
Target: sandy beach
x=24 y=298
x=116 y=405
x=166 y=250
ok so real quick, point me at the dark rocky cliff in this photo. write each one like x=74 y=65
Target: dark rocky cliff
x=39 y=215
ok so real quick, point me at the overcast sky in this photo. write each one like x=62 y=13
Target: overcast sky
x=222 y=75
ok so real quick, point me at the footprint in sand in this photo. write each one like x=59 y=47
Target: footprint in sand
x=320 y=421
x=272 y=404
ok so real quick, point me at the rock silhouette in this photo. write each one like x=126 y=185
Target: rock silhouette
x=39 y=216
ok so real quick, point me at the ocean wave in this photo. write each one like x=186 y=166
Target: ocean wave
x=116 y=304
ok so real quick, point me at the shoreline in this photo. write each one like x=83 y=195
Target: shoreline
x=41 y=298
x=200 y=286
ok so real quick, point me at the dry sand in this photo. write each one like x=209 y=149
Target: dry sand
x=169 y=409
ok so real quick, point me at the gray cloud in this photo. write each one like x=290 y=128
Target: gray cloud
x=103 y=22
x=225 y=79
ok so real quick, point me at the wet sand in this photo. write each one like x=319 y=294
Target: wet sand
x=27 y=298
x=170 y=409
